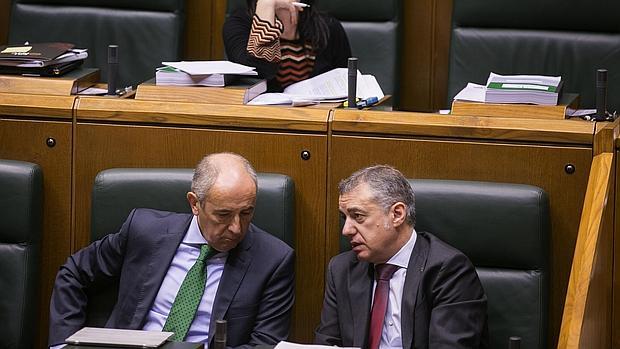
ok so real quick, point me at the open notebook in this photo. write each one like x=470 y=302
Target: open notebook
x=115 y=337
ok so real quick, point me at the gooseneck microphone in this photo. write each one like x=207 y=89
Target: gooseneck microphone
x=112 y=69
x=352 y=80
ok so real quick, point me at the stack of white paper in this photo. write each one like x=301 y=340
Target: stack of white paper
x=199 y=73
x=531 y=89
x=330 y=86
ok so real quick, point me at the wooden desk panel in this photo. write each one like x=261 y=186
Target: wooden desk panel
x=25 y=105
x=539 y=165
x=100 y=147
x=616 y=267
x=26 y=140
x=108 y=110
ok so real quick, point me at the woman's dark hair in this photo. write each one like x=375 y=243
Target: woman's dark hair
x=312 y=25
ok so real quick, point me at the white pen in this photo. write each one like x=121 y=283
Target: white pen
x=299 y=4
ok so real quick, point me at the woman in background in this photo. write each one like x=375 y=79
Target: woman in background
x=286 y=41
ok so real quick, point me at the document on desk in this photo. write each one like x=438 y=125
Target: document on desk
x=289 y=345
x=212 y=67
x=328 y=87
x=117 y=337
x=472 y=93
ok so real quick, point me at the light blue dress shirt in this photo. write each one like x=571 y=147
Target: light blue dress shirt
x=183 y=260
x=391 y=336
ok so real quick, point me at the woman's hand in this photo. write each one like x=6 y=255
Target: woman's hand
x=285 y=11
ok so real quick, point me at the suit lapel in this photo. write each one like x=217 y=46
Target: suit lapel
x=163 y=249
x=360 y=286
x=235 y=269
x=415 y=270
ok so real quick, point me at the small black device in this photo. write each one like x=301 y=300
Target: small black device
x=220 y=334
x=352 y=80
x=514 y=343
x=601 y=93
x=112 y=68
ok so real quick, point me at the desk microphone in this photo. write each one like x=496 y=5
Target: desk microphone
x=112 y=69
x=220 y=334
x=601 y=94
x=352 y=79
x=514 y=343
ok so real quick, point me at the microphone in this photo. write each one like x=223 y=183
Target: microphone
x=514 y=343
x=601 y=94
x=352 y=79
x=220 y=334
x=112 y=69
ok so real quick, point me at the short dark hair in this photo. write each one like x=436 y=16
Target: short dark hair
x=388 y=186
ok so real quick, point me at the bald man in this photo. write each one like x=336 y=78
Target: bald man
x=249 y=273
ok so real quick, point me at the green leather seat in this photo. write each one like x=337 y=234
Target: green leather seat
x=21 y=202
x=373 y=29
x=570 y=38
x=117 y=191
x=146 y=31
x=504 y=230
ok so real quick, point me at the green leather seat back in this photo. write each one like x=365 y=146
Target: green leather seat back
x=21 y=202
x=504 y=230
x=570 y=38
x=373 y=29
x=117 y=191
x=146 y=31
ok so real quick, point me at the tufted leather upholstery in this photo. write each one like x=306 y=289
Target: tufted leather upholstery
x=117 y=191
x=373 y=29
x=504 y=230
x=556 y=37
x=146 y=31
x=21 y=199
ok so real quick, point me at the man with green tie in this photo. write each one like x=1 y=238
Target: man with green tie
x=181 y=272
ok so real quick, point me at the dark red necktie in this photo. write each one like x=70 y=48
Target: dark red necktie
x=379 y=305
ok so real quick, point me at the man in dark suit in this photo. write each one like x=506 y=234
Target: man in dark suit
x=397 y=288
x=249 y=273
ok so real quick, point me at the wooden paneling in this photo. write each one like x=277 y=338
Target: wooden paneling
x=616 y=276
x=26 y=140
x=541 y=165
x=107 y=146
x=198 y=31
x=471 y=127
x=218 y=16
x=5 y=15
x=55 y=107
x=211 y=115
x=424 y=59
x=587 y=315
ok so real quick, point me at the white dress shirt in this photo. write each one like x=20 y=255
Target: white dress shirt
x=391 y=336
x=185 y=257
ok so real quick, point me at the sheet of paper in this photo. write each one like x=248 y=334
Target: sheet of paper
x=472 y=92
x=525 y=79
x=212 y=67
x=334 y=84
x=118 y=337
x=289 y=345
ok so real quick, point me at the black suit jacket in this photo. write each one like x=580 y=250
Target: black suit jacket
x=443 y=305
x=255 y=294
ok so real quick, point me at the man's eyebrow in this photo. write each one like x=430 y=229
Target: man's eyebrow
x=356 y=209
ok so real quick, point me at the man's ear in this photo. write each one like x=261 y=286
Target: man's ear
x=194 y=203
x=399 y=214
